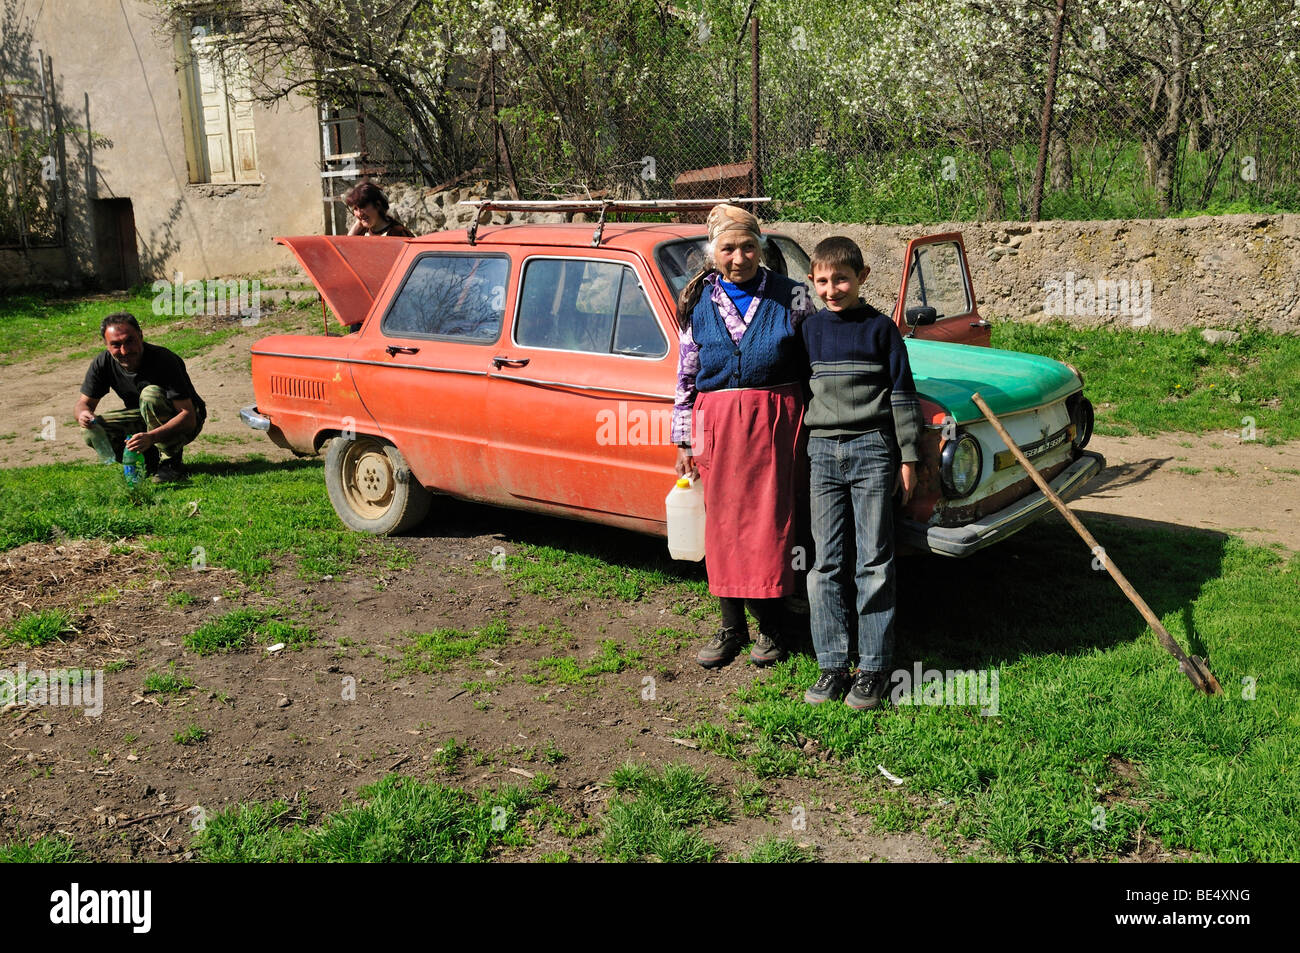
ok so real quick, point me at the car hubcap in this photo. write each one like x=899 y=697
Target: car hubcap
x=370 y=481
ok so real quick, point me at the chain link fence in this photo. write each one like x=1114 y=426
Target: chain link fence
x=928 y=112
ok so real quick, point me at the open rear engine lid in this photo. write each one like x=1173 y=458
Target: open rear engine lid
x=348 y=270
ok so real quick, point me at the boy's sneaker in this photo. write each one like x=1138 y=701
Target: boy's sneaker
x=722 y=648
x=830 y=687
x=868 y=690
x=766 y=649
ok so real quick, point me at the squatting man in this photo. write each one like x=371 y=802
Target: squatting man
x=161 y=410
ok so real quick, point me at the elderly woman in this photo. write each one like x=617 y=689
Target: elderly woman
x=738 y=424
x=369 y=207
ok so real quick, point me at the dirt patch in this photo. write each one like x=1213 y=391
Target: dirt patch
x=334 y=716
x=1208 y=482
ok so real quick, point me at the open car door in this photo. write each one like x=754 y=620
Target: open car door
x=936 y=296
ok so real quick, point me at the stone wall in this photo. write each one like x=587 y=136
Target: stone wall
x=1230 y=272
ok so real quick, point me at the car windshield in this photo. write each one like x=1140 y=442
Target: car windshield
x=680 y=261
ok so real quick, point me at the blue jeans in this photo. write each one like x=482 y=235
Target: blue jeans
x=853 y=513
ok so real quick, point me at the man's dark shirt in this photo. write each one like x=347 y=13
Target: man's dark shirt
x=157 y=366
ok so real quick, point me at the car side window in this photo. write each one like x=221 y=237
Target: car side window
x=451 y=295
x=593 y=306
x=936 y=280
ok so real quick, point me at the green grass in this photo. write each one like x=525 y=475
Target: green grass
x=778 y=850
x=166 y=683
x=37 y=326
x=241 y=627
x=654 y=815
x=440 y=649
x=35 y=629
x=396 y=820
x=42 y=850
x=550 y=571
x=563 y=669
x=945 y=183
x=192 y=735
x=178 y=599
x=1092 y=712
x=253 y=513
x=1150 y=381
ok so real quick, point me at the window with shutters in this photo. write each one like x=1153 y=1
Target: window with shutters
x=220 y=143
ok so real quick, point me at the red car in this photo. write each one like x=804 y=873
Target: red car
x=531 y=367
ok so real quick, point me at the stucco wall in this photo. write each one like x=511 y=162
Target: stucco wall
x=115 y=74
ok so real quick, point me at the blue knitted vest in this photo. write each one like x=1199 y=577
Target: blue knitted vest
x=769 y=353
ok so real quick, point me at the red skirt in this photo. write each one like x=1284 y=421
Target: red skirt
x=750 y=448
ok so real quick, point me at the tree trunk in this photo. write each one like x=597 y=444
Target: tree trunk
x=1058 y=151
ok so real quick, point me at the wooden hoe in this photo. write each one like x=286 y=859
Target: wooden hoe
x=1193 y=666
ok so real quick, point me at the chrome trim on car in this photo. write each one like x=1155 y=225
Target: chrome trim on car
x=1005 y=459
x=358 y=360
x=252 y=418
x=961 y=541
x=568 y=386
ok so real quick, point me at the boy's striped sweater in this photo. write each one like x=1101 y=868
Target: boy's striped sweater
x=861 y=379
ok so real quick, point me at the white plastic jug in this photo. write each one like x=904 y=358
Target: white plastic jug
x=686 y=521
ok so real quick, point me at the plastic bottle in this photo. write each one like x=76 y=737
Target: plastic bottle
x=132 y=466
x=686 y=521
x=99 y=440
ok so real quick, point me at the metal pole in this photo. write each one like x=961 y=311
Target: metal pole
x=1049 y=98
x=755 y=177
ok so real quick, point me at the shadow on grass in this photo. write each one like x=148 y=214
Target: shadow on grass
x=1037 y=592
x=1043 y=591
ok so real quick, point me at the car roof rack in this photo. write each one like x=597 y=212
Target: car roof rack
x=603 y=206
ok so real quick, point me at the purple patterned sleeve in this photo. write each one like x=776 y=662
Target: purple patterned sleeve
x=688 y=365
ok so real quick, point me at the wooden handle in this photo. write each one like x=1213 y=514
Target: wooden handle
x=1165 y=638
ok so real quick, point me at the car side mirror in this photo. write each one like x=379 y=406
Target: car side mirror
x=920 y=315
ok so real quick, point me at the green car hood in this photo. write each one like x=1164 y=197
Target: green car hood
x=1009 y=381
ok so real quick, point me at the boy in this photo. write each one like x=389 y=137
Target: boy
x=864 y=424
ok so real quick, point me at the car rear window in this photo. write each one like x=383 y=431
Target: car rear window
x=681 y=261
x=582 y=305
x=451 y=295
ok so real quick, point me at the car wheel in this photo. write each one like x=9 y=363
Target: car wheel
x=371 y=487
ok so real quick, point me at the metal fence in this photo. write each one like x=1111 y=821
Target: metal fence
x=1178 y=108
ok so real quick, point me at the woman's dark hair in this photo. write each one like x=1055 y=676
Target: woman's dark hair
x=367 y=193
x=119 y=317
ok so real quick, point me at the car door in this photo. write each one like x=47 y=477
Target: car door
x=936 y=275
x=422 y=368
x=580 y=400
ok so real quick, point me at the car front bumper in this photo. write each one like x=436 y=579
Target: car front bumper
x=961 y=541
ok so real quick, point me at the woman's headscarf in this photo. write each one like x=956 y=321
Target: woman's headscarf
x=722 y=218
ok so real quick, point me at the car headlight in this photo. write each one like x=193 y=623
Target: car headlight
x=960 y=466
x=1081 y=416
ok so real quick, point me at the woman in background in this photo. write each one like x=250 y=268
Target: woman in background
x=369 y=207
